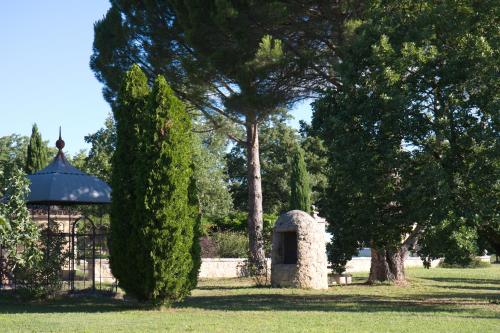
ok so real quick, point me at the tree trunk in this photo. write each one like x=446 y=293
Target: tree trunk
x=255 y=221
x=387 y=265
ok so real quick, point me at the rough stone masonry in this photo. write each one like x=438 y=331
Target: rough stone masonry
x=299 y=252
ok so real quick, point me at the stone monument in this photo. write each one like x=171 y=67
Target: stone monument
x=298 y=256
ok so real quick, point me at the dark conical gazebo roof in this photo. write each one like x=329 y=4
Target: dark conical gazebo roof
x=60 y=183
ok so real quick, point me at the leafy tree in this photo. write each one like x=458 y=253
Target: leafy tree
x=166 y=212
x=23 y=245
x=300 y=197
x=98 y=161
x=489 y=239
x=12 y=156
x=20 y=236
x=278 y=140
x=315 y=156
x=412 y=132
x=456 y=243
x=210 y=174
x=37 y=153
x=129 y=110
x=78 y=160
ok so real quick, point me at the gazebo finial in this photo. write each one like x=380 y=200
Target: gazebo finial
x=60 y=142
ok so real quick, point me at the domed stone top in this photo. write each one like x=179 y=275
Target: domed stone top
x=289 y=221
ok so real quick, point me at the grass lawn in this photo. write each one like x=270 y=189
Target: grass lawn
x=437 y=300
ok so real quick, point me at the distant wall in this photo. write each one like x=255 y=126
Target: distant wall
x=362 y=264
x=235 y=267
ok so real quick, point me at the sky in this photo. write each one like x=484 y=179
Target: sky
x=45 y=74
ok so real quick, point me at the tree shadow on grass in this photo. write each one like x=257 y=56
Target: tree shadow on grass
x=322 y=303
x=462 y=280
x=257 y=299
x=64 y=304
x=469 y=287
x=206 y=287
x=249 y=302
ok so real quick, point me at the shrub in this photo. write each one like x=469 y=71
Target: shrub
x=473 y=263
x=208 y=247
x=33 y=259
x=42 y=277
x=237 y=222
x=231 y=244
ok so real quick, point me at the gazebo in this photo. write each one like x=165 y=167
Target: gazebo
x=59 y=185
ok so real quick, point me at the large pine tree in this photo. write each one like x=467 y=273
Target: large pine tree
x=300 y=196
x=165 y=210
x=37 y=152
x=129 y=109
x=273 y=63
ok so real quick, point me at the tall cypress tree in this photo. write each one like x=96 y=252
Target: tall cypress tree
x=300 y=196
x=129 y=108
x=166 y=212
x=37 y=152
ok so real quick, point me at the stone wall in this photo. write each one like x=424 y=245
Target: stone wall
x=225 y=267
x=234 y=267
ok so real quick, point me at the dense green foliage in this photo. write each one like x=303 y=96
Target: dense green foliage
x=34 y=258
x=12 y=156
x=315 y=156
x=155 y=220
x=413 y=133
x=165 y=213
x=210 y=174
x=98 y=160
x=36 y=153
x=278 y=140
x=300 y=191
x=230 y=244
x=19 y=235
x=124 y=250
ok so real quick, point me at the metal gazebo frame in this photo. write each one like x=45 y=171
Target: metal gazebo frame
x=62 y=185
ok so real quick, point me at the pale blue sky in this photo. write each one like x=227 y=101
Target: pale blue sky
x=45 y=75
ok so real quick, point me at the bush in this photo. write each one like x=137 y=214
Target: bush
x=42 y=276
x=473 y=263
x=208 y=247
x=231 y=244
x=237 y=222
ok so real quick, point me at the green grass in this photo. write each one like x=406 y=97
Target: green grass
x=436 y=300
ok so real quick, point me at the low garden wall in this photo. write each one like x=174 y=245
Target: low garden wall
x=236 y=267
x=225 y=267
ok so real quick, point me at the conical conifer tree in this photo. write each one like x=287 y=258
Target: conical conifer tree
x=128 y=111
x=166 y=212
x=300 y=196
x=37 y=152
